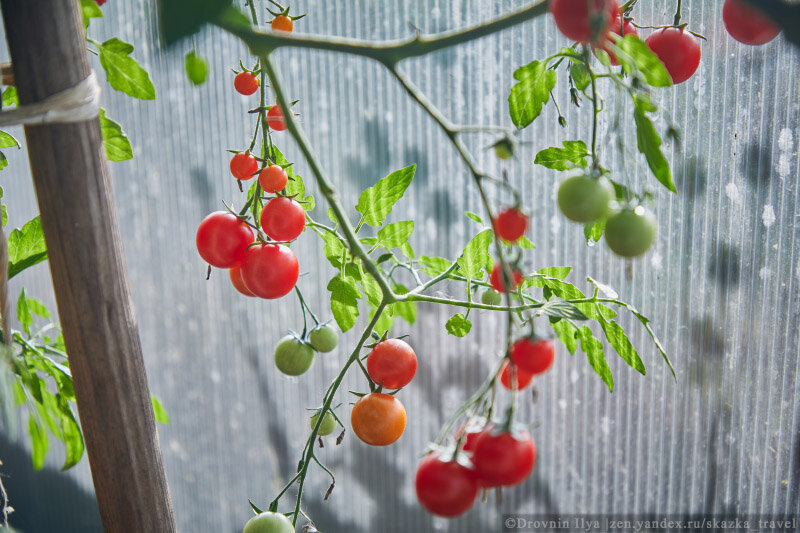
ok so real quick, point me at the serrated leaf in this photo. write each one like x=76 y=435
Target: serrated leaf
x=561 y=309
x=116 y=143
x=566 y=334
x=24 y=316
x=472 y=216
x=7 y=140
x=159 y=413
x=458 y=325
x=572 y=155
x=196 y=68
x=580 y=75
x=475 y=256
x=10 y=95
x=635 y=56
x=407 y=250
x=593 y=349
x=333 y=249
x=344 y=301
x=376 y=202
x=37 y=308
x=39 y=442
x=434 y=265
x=89 y=10
x=123 y=72
x=395 y=234
x=371 y=288
x=649 y=143
x=619 y=341
x=531 y=93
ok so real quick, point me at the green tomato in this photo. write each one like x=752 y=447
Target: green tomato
x=292 y=356
x=328 y=425
x=631 y=232
x=491 y=297
x=269 y=523
x=585 y=198
x=504 y=149
x=323 y=338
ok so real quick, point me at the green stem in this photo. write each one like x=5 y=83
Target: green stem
x=677 y=20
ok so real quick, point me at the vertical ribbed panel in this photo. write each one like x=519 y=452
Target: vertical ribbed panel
x=720 y=285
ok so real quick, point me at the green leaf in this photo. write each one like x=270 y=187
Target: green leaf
x=333 y=249
x=89 y=10
x=395 y=234
x=371 y=289
x=525 y=243
x=116 y=143
x=580 y=75
x=344 y=301
x=123 y=72
x=531 y=93
x=4 y=214
x=458 y=325
x=24 y=313
x=558 y=272
x=594 y=230
x=407 y=250
x=573 y=155
x=384 y=323
x=376 y=202
x=26 y=247
x=473 y=216
x=619 y=341
x=593 y=349
x=635 y=55
x=10 y=93
x=475 y=256
x=159 y=413
x=3 y=164
x=71 y=435
x=649 y=143
x=561 y=309
x=566 y=334
x=434 y=265
x=181 y=18
x=37 y=308
x=7 y=140
x=196 y=68
x=39 y=443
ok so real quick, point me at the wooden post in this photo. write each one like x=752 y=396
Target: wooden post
x=48 y=53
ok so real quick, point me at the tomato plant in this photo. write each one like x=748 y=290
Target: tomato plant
x=392 y=363
x=245 y=83
x=631 y=232
x=283 y=219
x=584 y=20
x=269 y=522
x=293 y=356
x=378 y=419
x=270 y=270
x=273 y=178
x=533 y=355
x=243 y=166
x=445 y=487
x=222 y=239
x=504 y=458
x=678 y=50
x=510 y=224
x=747 y=24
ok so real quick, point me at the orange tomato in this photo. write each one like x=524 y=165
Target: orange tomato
x=282 y=23
x=378 y=419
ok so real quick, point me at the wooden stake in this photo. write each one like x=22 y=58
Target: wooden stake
x=48 y=50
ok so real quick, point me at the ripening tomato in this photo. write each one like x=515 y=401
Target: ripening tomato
x=282 y=23
x=392 y=363
x=533 y=356
x=270 y=270
x=243 y=166
x=236 y=278
x=327 y=426
x=510 y=224
x=275 y=118
x=521 y=378
x=269 y=522
x=678 y=50
x=631 y=232
x=378 y=419
x=747 y=24
x=497 y=281
x=584 y=20
x=283 y=219
x=585 y=199
x=245 y=83
x=607 y=44
x=273 y=178
x=222 y=239
x=445 y=487
x=502 y=458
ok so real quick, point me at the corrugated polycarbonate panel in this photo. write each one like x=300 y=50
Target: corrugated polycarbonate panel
x=721 y=285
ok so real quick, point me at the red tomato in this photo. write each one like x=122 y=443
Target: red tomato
x=504 y=459
x=510 y=224
x=275 y=118
x=471 y=430
x=222 y=239
x=270 y=270
x=496 y=279
x=392 y=363
x=245 y=83
x=282 y=23
x=273 y=178
x=584 y=20
x=678 y=50
x=283 y=219
x=533 y=356
x=243 y=166
x=521 y=378
x=236 y=278
x=444 y=487
x=608 y=43
x=747 y=24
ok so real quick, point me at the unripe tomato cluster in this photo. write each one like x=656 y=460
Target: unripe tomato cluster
x=294 y=354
